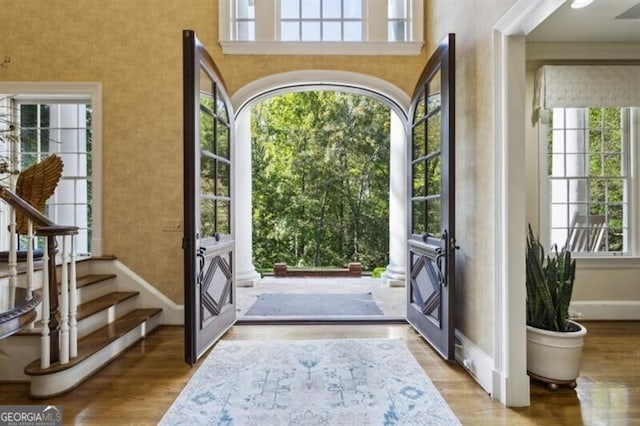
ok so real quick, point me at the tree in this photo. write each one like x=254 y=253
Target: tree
x=320 y=180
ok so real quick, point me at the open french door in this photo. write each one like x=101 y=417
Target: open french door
x=431 y=236
x=209 y=290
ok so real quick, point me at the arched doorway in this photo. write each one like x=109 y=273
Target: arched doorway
x=396 y=100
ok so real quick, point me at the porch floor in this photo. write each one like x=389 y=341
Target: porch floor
x=391 y=300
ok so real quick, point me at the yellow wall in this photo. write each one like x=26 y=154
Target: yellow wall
x=134 y=48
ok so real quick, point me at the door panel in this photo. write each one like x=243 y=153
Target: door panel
x=431 y=239
x=208 y=232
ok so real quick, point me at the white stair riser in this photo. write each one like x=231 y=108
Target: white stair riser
x=95 y=290
x=54 y=384
x=98 y=320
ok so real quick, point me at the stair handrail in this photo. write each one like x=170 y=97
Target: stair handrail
x=59 y=335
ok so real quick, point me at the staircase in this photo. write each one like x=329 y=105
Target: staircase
x=110 y=318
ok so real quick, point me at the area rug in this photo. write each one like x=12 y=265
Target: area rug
x=309 y=304
x=310 y=382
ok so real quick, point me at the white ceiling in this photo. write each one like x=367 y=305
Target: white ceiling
x=595 y=23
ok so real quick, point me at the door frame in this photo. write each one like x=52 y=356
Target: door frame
x=510 y=382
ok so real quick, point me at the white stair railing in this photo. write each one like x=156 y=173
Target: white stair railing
x=58 y=342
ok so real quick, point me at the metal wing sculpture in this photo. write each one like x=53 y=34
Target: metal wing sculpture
x=35 y=185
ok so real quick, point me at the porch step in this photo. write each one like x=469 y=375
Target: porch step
x=94 y=352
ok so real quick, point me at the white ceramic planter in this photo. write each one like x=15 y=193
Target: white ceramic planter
x=554 y=357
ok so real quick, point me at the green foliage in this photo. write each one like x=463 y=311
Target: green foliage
x=549 y=285
x=378 y=271
x=320 y=180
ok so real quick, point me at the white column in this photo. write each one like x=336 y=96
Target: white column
x=395 y=274
x=246 y=275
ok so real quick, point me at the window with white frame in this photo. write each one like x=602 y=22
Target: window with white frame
x=589 y=183
x=589 y=187
x=62 y=127
x=321 y=26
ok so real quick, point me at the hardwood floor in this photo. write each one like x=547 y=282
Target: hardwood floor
x=142 y=383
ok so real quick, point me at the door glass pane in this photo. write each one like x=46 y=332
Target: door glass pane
x=221 y=108
x=206 y=175
x=434 y=129
x=222 y=135
x=206 y=218
x=223 y=220
x=434 y=174
x=434 y=95
x=434 y=226
x=420 y=109
x=418 y=179
x=222 y=187
x=418 y=141
x=418 y=217
x=206 y=128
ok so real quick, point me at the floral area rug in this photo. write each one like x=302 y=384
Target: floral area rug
x=310 y=382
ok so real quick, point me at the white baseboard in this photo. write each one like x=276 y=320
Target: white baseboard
x=149 y=297
x=606 y=310
x=477 y=363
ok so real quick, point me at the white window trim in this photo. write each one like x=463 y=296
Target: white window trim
x=376 y=44
x=632 y=256
x=91 y=91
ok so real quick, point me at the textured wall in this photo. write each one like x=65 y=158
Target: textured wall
x=472 y=21
x=135 y=49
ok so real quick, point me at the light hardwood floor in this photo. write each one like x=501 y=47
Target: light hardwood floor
x=142 y=383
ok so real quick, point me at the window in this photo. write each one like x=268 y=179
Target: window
x=588 y=184
x=355 y=27
x=321 y=20
x=62 y=127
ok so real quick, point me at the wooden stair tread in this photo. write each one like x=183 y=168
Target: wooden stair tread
x=86 y=309
x=99 y=339
x=87 y=280
x=104 y=302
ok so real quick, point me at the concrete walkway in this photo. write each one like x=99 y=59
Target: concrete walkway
x=391 y=300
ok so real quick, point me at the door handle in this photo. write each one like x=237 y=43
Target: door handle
x=201 y=260
x=442 y=277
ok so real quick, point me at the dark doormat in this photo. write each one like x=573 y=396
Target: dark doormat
x=305 y=304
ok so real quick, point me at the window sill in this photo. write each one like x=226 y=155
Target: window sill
x=321 y=48
x=607 y=262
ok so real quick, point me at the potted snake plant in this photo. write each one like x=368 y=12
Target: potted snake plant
x=554 y=341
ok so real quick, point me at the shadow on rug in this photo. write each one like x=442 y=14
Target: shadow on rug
x=297 y=304
x=310 y=382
